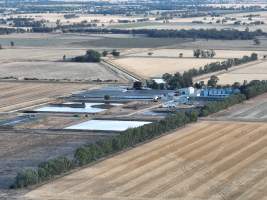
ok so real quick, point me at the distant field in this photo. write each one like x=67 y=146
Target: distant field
x=94 y=18
x=206 y=160
x=155 y=67
x=239 y=45
x=248 y=73
x=136 y=42
x=207 y=22
x=22 y=95
x=252 y=110
x=37 y=54
x=57 y=70
x=44 y=39
x=174 y=53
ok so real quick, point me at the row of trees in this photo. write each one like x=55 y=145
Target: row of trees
x=215 y=106
x=179 y=80
x=166 y=33
x=92 y=152
x=210 y=53
x=254 y=88
x=45 y=171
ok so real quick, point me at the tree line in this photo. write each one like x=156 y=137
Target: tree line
x=131 y=137
x=178 y=80
x=223 y=34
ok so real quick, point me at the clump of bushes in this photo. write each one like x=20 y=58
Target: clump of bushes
x=90 y=56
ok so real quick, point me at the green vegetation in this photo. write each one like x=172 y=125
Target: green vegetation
x=204 y=53
x=90 y=56
x=215 y=106
x=45 y=171
x=254 y=88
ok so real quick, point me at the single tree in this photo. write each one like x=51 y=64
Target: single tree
x=104 y=53
x=213 y=81
x=256 y=41
x=107 y=98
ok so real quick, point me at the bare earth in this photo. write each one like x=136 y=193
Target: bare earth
x=206 y=160
x=57 y=70
x=20 y=150
x=23 y=95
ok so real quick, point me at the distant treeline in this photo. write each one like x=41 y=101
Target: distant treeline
x=166 y=33
x=5 y=31
x=131 y=137
x=178 y=80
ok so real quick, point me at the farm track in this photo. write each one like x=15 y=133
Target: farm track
x=206 y=160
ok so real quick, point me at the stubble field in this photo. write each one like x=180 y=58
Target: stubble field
x=206 y=160
x=23 y=95
x=58 y=70
x=247 y=72
x=156 y=67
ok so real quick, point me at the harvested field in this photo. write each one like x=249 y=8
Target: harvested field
x=246 y=72
x=37 y=54
x=44 y=39
x=23 y=95
x=58 y=70
x=85 y=41
x=135 y=42
x=156 y=67
x=239 y=45
x=205 y=160
x=252 y=110
x=29 y=148
x=188 y=53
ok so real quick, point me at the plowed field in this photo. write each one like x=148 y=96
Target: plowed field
x=205 y=160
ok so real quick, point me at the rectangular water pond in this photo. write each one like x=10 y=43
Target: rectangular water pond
x=107 y=125
x=67 y=108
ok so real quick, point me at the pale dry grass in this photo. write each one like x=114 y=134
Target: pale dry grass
x=37 y=54
x=248 y=73
x=22 y=95
x=156 y=67
x=189 y=53
x=57 y=70
x=206 y=160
